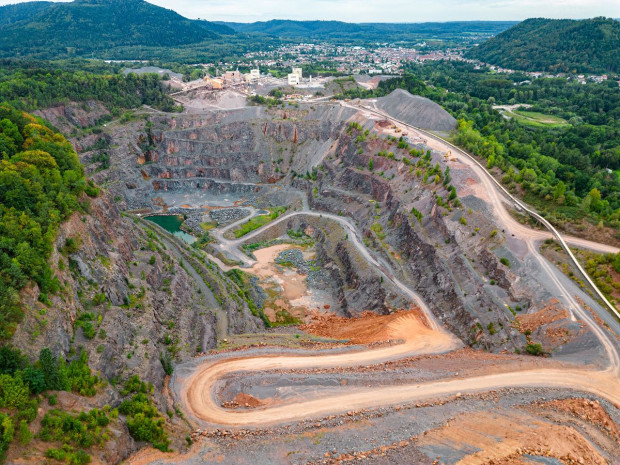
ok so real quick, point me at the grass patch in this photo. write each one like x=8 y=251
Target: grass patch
x=258 y=221
x=533 y=118
x=207 y=226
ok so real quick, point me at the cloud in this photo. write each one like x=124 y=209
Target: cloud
x=388 y=10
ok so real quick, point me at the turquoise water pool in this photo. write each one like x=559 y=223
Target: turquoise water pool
x=172 y=224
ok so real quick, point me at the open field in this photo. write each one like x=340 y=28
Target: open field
x=533 y=118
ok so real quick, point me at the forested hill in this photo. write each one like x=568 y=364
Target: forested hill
x=365 y=31
x=86 y=26
x=586 y=46
x=10 y=14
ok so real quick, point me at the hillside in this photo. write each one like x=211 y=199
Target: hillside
x=86 y=26
x=587 y=46
x=339 y=29
x=10 y=14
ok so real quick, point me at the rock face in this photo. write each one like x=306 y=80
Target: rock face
x=257 y=153
x=128 y=300
x=453 y=265
x=416 y=111
x=234 y=153
x=72 y=115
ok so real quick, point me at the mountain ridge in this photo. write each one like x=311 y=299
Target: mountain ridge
x=86 y=26
x=564 y=45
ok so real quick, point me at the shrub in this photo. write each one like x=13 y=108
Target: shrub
x=79 y=377
x=7 y=430
x=84 y=321
x=143 y=419
x=534 y=349
x=72 y=245
x=24 y=436
x=415 y=212
x=504 y=261
x=14 y=393
x=11 y=360
x=148 y=429
x=166 y=363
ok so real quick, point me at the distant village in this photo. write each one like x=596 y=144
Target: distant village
x=283 y=67
x=348 y=60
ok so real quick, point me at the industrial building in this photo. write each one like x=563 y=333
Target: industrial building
x=293 y=79
x=253 y=76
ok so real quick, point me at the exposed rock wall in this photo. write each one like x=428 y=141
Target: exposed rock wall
x=141 y=301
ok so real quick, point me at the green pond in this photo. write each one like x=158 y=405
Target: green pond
x=172 y=224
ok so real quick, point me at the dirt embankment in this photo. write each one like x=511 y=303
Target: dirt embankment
x=369 y=327
x=505 y=437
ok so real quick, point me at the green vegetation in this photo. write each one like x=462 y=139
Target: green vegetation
x=89 y=27
x=341 y=32
x=41 y=181
x=564 y=45
x=75 y=432
x=415 y=212
x=378 y=230
x=269 y=101
x=284 y=318
x=258 y=221
x=143 y=419
x=536 y=119
x=21 y=382
x=534 y=349
x=603 y=269
x=561 y=170
x=243 y=281
x=504 y=261
x=30 y=85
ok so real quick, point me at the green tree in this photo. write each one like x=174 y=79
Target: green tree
x=49 y=367
x=595 y=200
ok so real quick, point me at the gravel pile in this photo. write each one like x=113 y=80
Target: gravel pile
x=228 y=215
x=294 y=257
x=416 y=111
x=317 y=278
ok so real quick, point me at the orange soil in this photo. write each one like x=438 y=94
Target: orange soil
x=248 y=400
x=588 y=410
x=549 y=314
x=503 y=437
x=367 y=328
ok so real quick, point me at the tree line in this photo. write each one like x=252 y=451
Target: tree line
x=563 y=170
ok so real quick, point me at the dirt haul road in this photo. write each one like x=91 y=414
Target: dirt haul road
x=197 y=390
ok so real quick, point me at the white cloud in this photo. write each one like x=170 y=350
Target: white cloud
x=388 y=10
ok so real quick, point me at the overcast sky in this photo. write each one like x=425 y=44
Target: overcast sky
x=387 y=10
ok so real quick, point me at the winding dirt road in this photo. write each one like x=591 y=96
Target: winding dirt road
x=419 y=339
x=197 y=391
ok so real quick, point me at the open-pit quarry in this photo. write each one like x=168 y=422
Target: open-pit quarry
x=390 y=307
